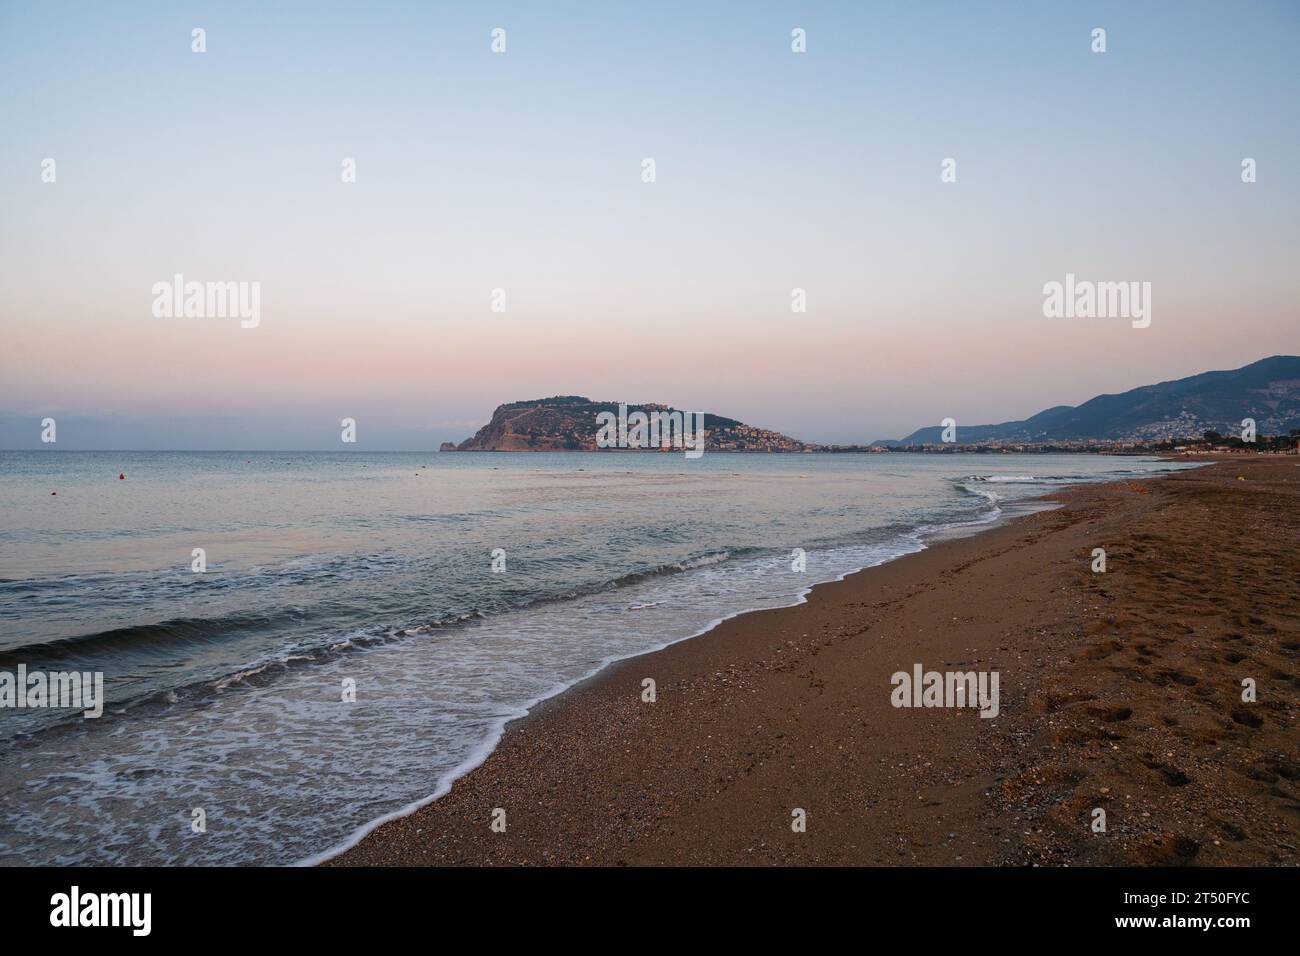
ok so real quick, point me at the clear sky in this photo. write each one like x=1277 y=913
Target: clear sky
x=523 y=171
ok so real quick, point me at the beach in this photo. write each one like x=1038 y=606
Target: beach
x=1120 y=691
x=387 y=584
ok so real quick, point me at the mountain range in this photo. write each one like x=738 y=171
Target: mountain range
x=1267 y=391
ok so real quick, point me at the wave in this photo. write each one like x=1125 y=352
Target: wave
x=885 y=551
x=144 y=637
x=163 y=638
x=306 y=635
x=1111 y=475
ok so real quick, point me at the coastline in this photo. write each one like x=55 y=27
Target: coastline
x=1102 y=705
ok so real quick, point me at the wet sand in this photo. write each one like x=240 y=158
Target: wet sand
x=1120 y=691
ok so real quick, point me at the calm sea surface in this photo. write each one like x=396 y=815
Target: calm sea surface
x=225 y=687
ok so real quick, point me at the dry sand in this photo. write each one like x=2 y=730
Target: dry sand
x=1120 y=691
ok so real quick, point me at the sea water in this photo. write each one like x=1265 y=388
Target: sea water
x=227 y=687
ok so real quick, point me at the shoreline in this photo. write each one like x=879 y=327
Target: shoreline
x=585 y=752
x=998 y=516
x=560 y=690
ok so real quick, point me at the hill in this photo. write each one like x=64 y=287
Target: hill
x=569 y=423
x=1267 y=391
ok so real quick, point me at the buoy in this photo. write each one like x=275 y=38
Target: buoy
x=54 y=492
x=121 y=476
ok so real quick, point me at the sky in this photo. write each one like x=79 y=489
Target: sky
x=523 y=171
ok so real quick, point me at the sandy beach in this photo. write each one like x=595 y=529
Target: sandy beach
x=1120 y=691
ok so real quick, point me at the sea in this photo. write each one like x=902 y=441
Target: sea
x=298 y=646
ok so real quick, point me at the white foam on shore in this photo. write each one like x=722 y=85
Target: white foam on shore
x=483 y=752
x=282 y=767
x=917 y=540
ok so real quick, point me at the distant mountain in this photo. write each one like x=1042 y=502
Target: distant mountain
x=1267 y=391
x=568 y=423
